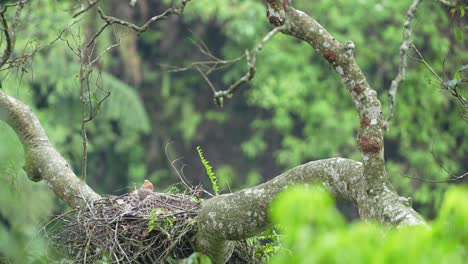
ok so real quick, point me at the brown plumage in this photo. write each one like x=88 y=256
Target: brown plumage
x=147 y=185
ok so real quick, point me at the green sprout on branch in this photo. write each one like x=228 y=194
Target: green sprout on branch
x=209 y=171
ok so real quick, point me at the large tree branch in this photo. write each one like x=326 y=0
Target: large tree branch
x=43 y=162
x=341 y=58
x=244 y=214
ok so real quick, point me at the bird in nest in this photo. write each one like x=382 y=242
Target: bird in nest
x=147 y=188
x=136 y=199
x=147 y=185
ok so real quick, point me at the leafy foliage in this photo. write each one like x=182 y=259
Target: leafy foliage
x=209 y=171
x=314 y=232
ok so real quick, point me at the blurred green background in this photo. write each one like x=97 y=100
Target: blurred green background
x=295 y=110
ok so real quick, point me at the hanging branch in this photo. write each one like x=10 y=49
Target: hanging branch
x=405 y=44
x=10 y=33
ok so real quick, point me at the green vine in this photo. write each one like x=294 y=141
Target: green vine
x=209 y=171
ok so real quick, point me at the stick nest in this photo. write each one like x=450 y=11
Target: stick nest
x=139 y=227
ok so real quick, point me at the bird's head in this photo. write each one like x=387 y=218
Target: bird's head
x=147 y=185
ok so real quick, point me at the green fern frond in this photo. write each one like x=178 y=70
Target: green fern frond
x=209 y=171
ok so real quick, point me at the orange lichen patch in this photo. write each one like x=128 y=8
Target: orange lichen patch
x=276 y=21
x=329 y=55
x=365 y=122
x=369 y=144
x=147 y=185
x=273 y=13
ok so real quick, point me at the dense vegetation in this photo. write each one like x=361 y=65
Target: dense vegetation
x=295 y=110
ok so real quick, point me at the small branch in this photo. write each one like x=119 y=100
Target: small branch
x=86 y=8
x=104 y=52
x=213 y=64
x=110 y=20
x=10 y=34
x=451 y=86
x=457 y=178
x=423 y=61
x=9 y=42
x=403 y=60
x=16 y=3
x=84 y=78
x=439 y=162
x=251 y=56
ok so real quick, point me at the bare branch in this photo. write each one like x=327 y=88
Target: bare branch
x=214 y=63
x=439 y=162
x=452 y=85
x=423 y=61
x=405 y=44
x=9 y=42
x=86 y=8
x=10 y=34
x=251 y=57
x=110 y=20
x=457 y=178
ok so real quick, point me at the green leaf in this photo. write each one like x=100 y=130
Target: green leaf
x=95 y=98
x=458 y=33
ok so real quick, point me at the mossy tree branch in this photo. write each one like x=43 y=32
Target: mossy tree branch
x=43 y=162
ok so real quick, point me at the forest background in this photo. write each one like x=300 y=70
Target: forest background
x=155 y=117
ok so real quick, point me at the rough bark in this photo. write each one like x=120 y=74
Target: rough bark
x=42 y=161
